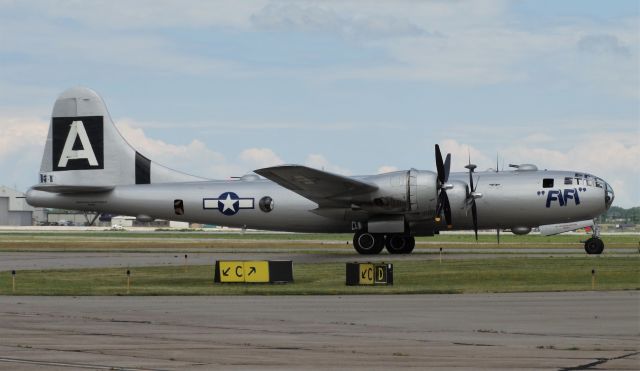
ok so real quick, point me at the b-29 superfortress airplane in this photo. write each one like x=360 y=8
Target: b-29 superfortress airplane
x=88 y=166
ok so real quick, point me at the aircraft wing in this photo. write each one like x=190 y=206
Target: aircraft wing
x=319 y=186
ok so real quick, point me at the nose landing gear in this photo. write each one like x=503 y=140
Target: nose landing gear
x=367 y=243
x=594 y=245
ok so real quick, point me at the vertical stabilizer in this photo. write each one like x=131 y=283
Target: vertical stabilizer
x=84 y=148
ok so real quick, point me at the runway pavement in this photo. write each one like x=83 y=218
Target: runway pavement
x=558 y=331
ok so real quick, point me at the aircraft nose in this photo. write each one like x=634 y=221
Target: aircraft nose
x=608 y=195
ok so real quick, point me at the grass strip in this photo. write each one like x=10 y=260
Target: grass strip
x=517 y=274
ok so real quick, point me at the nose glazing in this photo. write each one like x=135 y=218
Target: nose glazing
x=608 y=195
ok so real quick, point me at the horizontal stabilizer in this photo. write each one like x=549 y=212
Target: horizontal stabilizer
x=57 y=188
x=551 y=229
x=316 y=185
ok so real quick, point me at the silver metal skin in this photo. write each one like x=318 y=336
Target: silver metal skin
x=102 y=173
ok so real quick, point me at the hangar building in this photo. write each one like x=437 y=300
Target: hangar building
x=14 y=210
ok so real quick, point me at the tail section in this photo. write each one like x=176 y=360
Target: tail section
x=85 y=150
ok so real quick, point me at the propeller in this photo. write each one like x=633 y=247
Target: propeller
x=471 y=197
x=443 y=175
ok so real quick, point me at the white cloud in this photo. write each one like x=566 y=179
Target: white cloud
x=460 y=42
x=165 y=152
x=539 y=138
x=386 y=169
x=318 y=17
x=261 y=157
x=21 y=135
x=603 y=44
x=195 y=157
x=148 y=14
x=318 y=161
x=461 y=154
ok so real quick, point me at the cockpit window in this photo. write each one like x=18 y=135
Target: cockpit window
x=547 y=183
x=599 y=183
x=568 y=180
x=590 y=182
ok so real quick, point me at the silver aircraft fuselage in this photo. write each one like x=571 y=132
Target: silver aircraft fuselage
x=509 y=199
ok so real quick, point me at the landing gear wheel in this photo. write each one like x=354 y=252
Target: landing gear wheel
x=594 y=246
x=399 y=244
x=367 y=243
x=411 y=244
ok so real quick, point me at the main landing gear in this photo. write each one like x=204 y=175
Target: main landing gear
x=367 y=243
x=594 y=245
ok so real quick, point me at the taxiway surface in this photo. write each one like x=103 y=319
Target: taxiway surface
x=72 y=260
x=560 y=331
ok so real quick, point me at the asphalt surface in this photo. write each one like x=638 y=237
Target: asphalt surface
x=557 y=331
x=71 y=260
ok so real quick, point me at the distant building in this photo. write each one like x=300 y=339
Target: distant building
x=14 y=210
x=123 y=221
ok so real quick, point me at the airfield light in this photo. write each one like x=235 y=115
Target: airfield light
x=128 y=280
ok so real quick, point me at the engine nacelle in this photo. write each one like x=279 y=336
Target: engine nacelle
x=412 y=191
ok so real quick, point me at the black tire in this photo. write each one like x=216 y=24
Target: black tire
x=594 y=246
x=411 y=244
x=368 y=243
x=399 y=244
x=395 y=243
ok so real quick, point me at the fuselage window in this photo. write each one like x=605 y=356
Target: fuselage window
x=547 y=183
x=568 y=180
x=178 y=207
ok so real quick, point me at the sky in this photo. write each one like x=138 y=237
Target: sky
x=220 y=88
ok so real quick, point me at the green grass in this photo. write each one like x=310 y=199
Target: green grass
x=411 y=277
x=505 y=237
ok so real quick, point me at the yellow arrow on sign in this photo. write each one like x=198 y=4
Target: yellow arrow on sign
x=366 y=274
x=256 y=271
x=231 y=271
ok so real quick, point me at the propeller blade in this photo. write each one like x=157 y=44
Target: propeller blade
x=447 y=167
x=474 y=215
x=439 y=205
x=471 y=181
x=440 y=165
x=447 y=209
x=498 y=235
